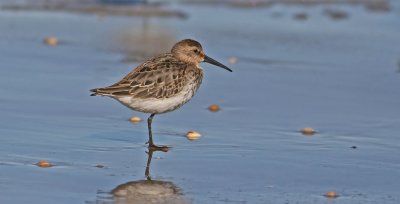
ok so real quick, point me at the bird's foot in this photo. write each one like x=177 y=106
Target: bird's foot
x=154 y=147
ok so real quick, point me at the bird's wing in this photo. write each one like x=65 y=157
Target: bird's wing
x=159 y=77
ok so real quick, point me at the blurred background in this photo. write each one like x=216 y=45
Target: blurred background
x=310 y=113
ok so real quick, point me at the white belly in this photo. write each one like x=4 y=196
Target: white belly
x=154 y=105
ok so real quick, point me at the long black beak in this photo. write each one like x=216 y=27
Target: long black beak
x=215 y=62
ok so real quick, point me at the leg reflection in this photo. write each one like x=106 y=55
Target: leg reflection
x=149 y=157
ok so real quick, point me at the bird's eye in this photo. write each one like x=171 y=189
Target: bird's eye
x=196 y=51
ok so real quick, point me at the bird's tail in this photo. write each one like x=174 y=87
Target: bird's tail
x=95 y=92
x=100 y=92
x=109 y=91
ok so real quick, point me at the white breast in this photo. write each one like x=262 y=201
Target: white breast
x=154 y=105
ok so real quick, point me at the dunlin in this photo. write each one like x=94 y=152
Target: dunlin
x=162 y=83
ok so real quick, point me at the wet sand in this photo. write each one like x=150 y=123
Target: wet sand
x=337 y=76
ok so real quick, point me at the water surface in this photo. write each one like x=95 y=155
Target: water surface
x=338 y=76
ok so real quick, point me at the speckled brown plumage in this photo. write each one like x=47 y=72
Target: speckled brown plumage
x=162 y=83
x=160 y=77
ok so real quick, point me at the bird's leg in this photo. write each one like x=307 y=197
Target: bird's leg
x=150 y=142
x=149 y=120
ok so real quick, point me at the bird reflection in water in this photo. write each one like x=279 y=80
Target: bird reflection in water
x=148 y=190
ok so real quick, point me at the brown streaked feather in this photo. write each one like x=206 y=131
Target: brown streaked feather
x=160 y=77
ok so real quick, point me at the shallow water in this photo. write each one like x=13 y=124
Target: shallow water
x=338 y=76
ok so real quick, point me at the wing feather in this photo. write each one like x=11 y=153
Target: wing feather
x=160 y=77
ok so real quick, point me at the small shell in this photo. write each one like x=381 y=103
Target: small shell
x=192 y=135
x=308 y=131
x=214 y=108
x=135 y=119
x=331 y=194
x=44 y=164
x=51 y=40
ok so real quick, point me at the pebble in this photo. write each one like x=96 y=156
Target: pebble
x=135 y=119
x=192 y=135
x=44 y=164
x=300 y=16
x=51 y=40
x=214 y=108
x=331 y=194
x=308 y=131
x=99 y=166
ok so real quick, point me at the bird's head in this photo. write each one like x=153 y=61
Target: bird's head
x=191 y=51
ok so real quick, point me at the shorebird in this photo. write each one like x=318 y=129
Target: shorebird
x=162 y=83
